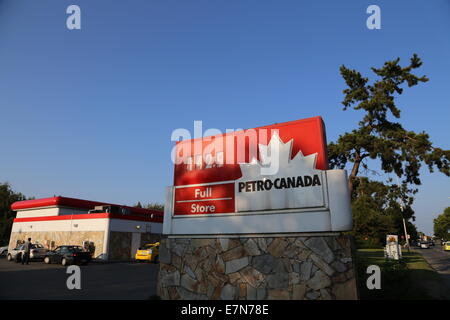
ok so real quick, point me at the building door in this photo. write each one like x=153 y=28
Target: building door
x=135 y=243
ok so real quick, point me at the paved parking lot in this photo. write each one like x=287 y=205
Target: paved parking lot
x=125 y=280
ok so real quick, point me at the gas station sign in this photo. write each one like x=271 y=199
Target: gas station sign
x=263 y=180
x=226 y=174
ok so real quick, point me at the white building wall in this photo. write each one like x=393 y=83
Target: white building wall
x=135 y=226
x=88 y=225
x=61 y=225
x=49 y=212
x=38 y=212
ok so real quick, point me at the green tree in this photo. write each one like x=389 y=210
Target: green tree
x=7 y=198
x=377 y=212
x=442 y=225
x=155 y=206
x=378 y=135
x=150 y=206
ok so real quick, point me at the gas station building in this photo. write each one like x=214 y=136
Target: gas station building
x=112 y=232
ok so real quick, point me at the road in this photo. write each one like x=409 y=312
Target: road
x=439 y=261
x=98 y=281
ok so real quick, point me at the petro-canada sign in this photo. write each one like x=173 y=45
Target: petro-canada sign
x=272 y=173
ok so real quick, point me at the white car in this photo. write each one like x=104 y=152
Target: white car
x=424 y=245
x=3 y=250
x=37 y=251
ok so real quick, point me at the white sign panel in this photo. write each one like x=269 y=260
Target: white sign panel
x=296 y=185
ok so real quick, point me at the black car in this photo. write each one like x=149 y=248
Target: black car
x=68 y=255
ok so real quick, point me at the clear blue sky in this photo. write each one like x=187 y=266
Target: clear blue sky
x=89 y=113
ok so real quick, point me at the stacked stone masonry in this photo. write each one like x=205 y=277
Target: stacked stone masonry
x=251 y=268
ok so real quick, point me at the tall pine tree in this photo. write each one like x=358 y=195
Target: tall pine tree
x=378 y=135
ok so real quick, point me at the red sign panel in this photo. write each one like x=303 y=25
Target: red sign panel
x=209 y=199
x=203 y=163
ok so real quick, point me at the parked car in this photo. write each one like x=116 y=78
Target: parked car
x=446 y=246
x=12 y=254
x=37 y=251
x=424 y=245
x=149 y=252
x=3 y=251
x=68 y=255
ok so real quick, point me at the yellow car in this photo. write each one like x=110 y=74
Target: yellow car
x=149 y=252
x=446 y=246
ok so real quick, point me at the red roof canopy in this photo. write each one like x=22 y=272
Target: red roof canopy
x=75 y=203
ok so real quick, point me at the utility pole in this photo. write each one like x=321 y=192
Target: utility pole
x=404 y=223
x=404 y=227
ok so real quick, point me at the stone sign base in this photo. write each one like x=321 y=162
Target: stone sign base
x=257 y=268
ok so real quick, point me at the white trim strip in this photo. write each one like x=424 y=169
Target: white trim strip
x=181 y=201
